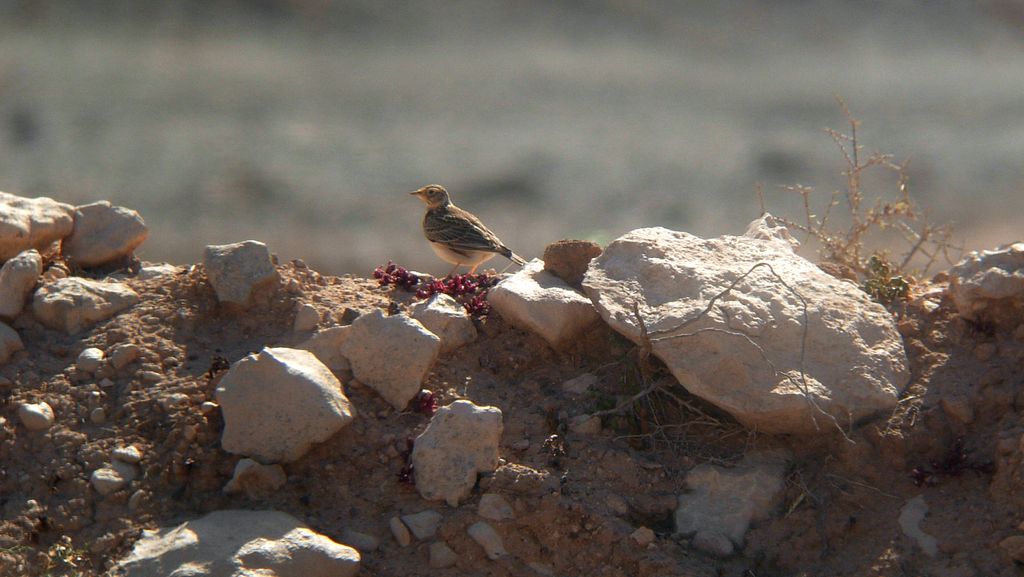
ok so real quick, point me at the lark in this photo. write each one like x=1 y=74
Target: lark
x=456 y=235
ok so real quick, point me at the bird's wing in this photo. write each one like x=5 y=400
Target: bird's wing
x=460 y=230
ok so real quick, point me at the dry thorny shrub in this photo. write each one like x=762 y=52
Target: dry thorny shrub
x=842 y=235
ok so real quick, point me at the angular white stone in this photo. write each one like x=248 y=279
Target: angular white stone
x=277 y=403
x=239 y=543
x=489 y=539
x=989 y=285
x=17 y=278
x=446 y=318
x=74 y=304
x=725 y=501
x=237 y=271
x=854 y=361
x=31 y=223
x=10 y=343
x=36 y=416
x=103 y=233
x=536 y=300
x=424 y=524
x=391 y=355
x=306 y=318
x=326 y=345
x=770 y=228
x=460 y=442
x=151 y=270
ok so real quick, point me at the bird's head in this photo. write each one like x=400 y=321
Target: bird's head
x=433 y=195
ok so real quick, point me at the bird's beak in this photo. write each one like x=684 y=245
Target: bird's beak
x=417 y=192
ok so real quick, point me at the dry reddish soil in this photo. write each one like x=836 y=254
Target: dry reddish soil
x=576 y=499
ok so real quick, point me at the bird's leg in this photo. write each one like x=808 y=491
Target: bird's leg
x=472 y=270
x=455 y=268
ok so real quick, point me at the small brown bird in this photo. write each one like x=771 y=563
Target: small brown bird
x=456 y=235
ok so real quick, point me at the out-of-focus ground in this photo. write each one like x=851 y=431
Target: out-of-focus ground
x=304 y=123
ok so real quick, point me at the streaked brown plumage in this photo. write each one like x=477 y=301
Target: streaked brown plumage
x=456 y=235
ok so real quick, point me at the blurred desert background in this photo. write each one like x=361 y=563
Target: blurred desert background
x=304 y=123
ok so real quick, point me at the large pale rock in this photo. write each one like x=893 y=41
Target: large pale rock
x=536 y=300
x=326 y=345
x=36 y=416
x=238 y=271
x=446 y=318
x=103 y=233
x=73 y=304
x=391 y=354
x=10 y=343
x=17 y=277
x=238 y=544
x=723 y=502
x=460 y=442
x=278 y=402
x=989 y=285
x=854 y=364
x=31 y=223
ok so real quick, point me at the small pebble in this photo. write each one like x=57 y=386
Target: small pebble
x=123 y=354
x=89 y=360
x=36 y=416
x=106 y=383
x=150 y=376
x=98 y=416
x=306 y=318
x=424 y=524
x=135 y=501
x=488 y=538
x=642 y=537
x=112 y=478
x=362 y=542
x=400 y=531
x=494 y=507
x=442 y=556
x=129 y=454
x=208 y=407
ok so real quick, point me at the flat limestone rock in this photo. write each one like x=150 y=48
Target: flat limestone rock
x=744 y=354
x=103 y=233
x=234 y=543
x=460 y=442
x=277 y=403
x=31 y=223
x=989 y=285
x=536 y=300
x=390 y=354
x=74 y=304
x=723 y=502
x=446 y=318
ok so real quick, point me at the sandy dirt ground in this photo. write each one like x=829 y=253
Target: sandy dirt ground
x=954 y=439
